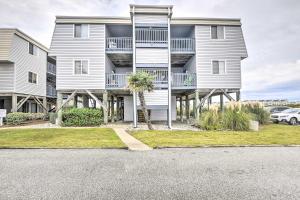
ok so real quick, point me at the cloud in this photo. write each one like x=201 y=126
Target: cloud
x=271 y=30
x=270 y=76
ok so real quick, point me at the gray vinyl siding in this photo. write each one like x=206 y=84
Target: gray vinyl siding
x=66 y=48
x=231 y=50
x=156 y=97
x=151 y=19
x=6 y=77
x=151 y=55
x=6 y=37
x=25 y=62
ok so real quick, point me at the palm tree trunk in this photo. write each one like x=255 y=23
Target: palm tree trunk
x=144 y=110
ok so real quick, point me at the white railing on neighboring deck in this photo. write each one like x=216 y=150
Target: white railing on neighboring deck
x=182 y=44
x=116 y=80
x=152 y=35
x=51 y=91
x=184 y=80
x=51 y=68
x=119 y=44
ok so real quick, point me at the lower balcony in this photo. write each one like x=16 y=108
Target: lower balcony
x=51 y=91
x=179 y=80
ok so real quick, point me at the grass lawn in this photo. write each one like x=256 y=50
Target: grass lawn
x=268 y=135
x=60 y=138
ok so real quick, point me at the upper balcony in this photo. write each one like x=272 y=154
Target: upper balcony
x=124 y=44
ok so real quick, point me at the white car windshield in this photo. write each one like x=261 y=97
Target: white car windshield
x=291 y=111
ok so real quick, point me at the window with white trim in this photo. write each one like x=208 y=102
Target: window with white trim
x=218 y=67
x=32 y=77
x=32 y=49
x=81 y=66
x=217 y=32
x=81 y=30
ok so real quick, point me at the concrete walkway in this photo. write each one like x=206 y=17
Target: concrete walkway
x=132 y=143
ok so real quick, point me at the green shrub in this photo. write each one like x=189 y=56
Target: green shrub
x=258 y=111
x=210 y=119
x=82 y=117
x=235 y=118
x=17 y=118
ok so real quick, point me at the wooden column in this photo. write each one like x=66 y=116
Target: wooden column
x=75 y=101
x=238 y=96
x=112 y=113
x=221 y=102
x=105 y=111
x=197 y=102
x=59 y=102
x=187 y=107
x=14 y=103
x=117 y=109
x=85 y=101
x=45 y=105
x=181 y=109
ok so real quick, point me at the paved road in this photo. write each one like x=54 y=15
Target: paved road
x=216 y=173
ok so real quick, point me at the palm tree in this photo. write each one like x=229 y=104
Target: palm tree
x=141 y=82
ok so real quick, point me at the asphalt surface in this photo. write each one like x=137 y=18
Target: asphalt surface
x=203 y=173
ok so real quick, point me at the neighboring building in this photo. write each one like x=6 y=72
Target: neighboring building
x=23 y=73
x=189 y=57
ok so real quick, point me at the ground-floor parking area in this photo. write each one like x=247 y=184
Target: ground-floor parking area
x=192 y=173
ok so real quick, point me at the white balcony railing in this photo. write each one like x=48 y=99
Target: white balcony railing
x=179 y=80
x=160 y=76
x=51 y=68
x=152 y=36
x=119 y=44
x=183 y=80
x=182 y=44
x=116 y=81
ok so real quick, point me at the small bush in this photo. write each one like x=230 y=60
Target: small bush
x=235 y=118
x=17 y=118
x=210 y=119
x=82 y=117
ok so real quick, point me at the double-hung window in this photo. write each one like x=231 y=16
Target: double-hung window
x=217 y=32
x=81 y=67
x=32 y=77
x=81 y=30
x=218 y=67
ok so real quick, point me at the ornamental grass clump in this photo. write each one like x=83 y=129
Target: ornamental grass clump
x=211 y=119
x=235 y=118
x=257 y=110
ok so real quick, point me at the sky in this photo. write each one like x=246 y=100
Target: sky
x=271 y=30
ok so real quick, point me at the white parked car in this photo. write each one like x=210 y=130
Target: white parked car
x=291 y=116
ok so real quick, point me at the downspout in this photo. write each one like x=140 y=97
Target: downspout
x=134 y=69
x=169 y=74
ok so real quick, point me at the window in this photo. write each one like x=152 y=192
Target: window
x=81 y=31
x=81 y=67
x=32 y=49
x=32 y=77
x=217 y=32
x=218 y=67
